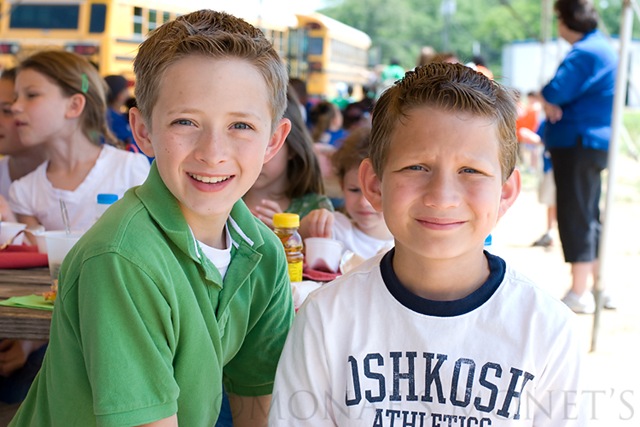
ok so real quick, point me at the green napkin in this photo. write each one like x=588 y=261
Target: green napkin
x=29 y=301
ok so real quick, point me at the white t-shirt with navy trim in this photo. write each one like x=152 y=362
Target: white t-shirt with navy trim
x=364 y=351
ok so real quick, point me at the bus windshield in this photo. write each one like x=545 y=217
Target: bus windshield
x=45 y=16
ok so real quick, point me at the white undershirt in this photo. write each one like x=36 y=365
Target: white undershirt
x=221 y=258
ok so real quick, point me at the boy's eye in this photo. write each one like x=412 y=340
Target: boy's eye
x=353 y=190
x=469 y=170
x=184 y=122
x=241 y=126
x=416 y=168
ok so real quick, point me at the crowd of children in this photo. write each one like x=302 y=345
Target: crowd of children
x=178 y=297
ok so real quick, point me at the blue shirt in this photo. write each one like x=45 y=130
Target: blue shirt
x=121 y=129
x=119 y=126
x=546 y=157
x=583 y=87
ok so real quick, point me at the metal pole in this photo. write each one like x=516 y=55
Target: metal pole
x=447 y=9
x=626 y=27
x=545 y=33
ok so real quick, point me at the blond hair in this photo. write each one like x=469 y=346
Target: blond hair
x=76 y=75
x=447 y=87
x=210 y=34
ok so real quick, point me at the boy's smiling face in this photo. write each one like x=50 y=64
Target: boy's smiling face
x=210 y=133
x=441 y=190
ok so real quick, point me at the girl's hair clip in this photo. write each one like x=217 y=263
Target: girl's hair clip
x=85 y=83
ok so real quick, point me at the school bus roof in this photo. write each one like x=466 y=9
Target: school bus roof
x=338 y=30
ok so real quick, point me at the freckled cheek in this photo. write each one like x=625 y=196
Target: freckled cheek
x=172 y=147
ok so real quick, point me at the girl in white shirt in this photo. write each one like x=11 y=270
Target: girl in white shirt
x=60 y=107
x=361 y=229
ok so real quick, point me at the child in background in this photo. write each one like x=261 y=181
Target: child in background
x=60 y=108
x=20 y=360
x=327 y=133
x=117 y=95
x=436 y=330
x=546 y=184
x=17 y=160
x=326 y=124
x=529 y=117
x=178 y=283
x=291 y=180
x=362 y=230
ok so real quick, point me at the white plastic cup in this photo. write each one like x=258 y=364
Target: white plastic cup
x=10 y=229
x=59 y=243
x=323 y=254
x=37 y=233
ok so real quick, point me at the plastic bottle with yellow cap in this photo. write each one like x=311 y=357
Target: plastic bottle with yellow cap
x=286 y=228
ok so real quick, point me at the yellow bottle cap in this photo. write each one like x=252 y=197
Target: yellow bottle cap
x=286 y=220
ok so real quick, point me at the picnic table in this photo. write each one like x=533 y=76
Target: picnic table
x=24 y=323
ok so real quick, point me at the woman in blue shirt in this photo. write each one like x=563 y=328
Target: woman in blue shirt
x=579 y=104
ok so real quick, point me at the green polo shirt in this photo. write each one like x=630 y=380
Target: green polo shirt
x=143 y=326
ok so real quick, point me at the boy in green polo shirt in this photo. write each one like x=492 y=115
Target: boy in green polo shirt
x=178 y=287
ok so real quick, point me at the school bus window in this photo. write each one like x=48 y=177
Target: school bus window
x=45 y=16
x=315 y=46
x=153 y=16
x=315 y=66
x=137 y=21
x=166 y=16
x=97 y=19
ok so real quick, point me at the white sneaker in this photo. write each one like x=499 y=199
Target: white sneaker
x=608 y=301
x=583 y=304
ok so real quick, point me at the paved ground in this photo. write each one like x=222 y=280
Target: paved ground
x=611 y=373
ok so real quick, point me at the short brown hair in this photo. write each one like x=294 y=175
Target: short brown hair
x=211 y=34
x=448 y=87
x=76 y=75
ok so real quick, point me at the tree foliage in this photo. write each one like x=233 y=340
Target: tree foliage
x=399 y=28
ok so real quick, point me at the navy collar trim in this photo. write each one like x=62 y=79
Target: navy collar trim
x=497 y=268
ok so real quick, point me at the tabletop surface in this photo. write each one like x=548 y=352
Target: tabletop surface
x=24 y=323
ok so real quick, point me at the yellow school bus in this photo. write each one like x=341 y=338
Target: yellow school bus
x=329 y=55
x=107 y=32
x=320 y=50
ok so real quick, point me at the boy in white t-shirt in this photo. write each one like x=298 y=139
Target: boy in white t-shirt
x=361 y=228
x=436 y=332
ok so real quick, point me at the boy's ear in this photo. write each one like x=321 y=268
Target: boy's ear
x=277 y=139
x=140 y=132
x=370 y=184
x=510 y=191
x=75 y=106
